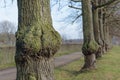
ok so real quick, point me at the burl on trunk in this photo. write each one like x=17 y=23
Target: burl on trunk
x=36 y=41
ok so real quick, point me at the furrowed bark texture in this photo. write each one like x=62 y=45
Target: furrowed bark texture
x=97 y=28
x=90 y=46
x=106 y=28
x=101 y=24
x=105 y=31
x=101 y=29
x=36 y=41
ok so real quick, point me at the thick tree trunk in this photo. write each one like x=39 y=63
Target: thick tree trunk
x=35 y=69
x=90 y=61
x=97 y=28
x=108 y=35
x=36 y=41
x=101 y=29
x=90 y=46
x=102 y=25
x=106 y=28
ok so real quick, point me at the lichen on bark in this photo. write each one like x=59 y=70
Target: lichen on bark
x=29 y=38
x=38 y=38
x=97 y=28
x=90 y=47
x=36 y=41
x=31 y=76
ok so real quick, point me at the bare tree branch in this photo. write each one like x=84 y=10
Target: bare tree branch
x=76 y=0
x=5 y=3
x=107 y=4
x=77 y=18
x=74 y=7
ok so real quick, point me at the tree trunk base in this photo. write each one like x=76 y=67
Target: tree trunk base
x=90 y=61
x=35 y=69
x=99 y=53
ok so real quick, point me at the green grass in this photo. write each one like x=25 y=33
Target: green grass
x=108 y=68
x=7 y=57
x=8 y=65
x=7 y=54
x=68 y=49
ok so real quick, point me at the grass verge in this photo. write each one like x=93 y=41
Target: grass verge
x=7 y=57
x=7 y=54
x=68 y=49
x=108 y=68
x=5 y=66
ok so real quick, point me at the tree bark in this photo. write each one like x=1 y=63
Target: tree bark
x=97 y=28
x=90 y=61
x=101 y=29
x=101 y=24
x=36 y=41
x=90 y=46
x=106 y=28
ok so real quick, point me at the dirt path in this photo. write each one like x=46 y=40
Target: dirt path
x=10 y=74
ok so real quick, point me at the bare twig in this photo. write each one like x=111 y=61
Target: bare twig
x=76 y=0
x=107 y=4
x=76 y=18
x=74 y=7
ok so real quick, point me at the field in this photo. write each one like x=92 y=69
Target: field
x=7 y=54
x=108 y=68
x=67 y=49
x=7 y=57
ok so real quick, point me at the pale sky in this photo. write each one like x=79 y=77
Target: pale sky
x=59 y=14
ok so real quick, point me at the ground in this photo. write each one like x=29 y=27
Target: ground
x=108 y=68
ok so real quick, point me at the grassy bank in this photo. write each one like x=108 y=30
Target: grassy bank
x=7 y=54
x=108 y=68
x=67 y=49
x=7 y=57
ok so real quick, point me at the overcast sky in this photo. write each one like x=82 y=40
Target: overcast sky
x=60 y=14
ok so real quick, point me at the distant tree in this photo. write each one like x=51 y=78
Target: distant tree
x=7 y=27
x=7 y=30
x=36 y=41
x=106 y=10
x=92 y=46
x=113 y=19
x=64 y=37
x=114 y=24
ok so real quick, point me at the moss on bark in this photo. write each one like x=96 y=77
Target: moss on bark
x=90 y=48
x=38 y=38
x=97 y=28
x=31 y=76
x=36 y=41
